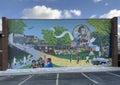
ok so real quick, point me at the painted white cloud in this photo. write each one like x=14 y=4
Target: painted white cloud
x=43 y=12
x=111 y=14
x=97 y=1
x=0 y=24
x=93 y=16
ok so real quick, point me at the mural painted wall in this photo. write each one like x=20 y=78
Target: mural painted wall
x=59 y=43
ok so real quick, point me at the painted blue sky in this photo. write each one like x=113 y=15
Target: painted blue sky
x=34 y=27
x=60 y=9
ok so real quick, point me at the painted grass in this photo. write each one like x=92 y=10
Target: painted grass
x=66 y=62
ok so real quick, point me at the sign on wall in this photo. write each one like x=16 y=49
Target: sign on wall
x=38 y=43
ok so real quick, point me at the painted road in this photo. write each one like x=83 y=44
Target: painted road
x=88 y=78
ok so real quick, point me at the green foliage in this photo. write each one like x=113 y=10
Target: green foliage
x=100 y=39
x=102 y=26
x=25 y=67
x=49 y=36
x=16 y=26
x=64 y=40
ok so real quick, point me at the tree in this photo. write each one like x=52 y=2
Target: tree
x=16 y=26
x=64 y=40
x=49 y=36
x=102 y=26
x=100 y=39
x=102 y=30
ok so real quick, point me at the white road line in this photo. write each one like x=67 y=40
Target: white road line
x=89 y=78
x=113 y=74
x=57 y=83
x=30 y=76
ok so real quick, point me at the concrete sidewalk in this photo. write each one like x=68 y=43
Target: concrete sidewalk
x=58 y=70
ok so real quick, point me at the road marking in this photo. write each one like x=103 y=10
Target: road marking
x=30 y=76
x=57 y=79
x=113 y=74
x=89 y=78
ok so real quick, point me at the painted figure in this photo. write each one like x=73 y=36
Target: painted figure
x=45 y=60
x=78 y=59
x=49 y=63
x=87 y=59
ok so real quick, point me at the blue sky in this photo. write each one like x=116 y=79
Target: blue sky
x=60 y=9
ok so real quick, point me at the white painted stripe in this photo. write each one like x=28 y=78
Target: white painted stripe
x=113 y=74
x=57 y=83
x=30 y=76
x=89 y=78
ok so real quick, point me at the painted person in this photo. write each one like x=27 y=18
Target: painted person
x=33 y=65
x=37 y=64
x=87 y=59
x=49 y=63
x=41 y=61
x=45 y=60
x=71 y=56
x=77 y=59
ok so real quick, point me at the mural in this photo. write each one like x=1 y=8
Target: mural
x=59 y=43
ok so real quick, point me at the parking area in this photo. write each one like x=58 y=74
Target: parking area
x=81 y=78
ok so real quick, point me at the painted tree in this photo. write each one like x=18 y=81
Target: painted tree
x=16 y=26
x=102 y=30
x=102 y=26
x=100 y=39
x=50 y=39
x=65 y=40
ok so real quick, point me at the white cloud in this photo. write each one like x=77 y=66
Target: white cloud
x=97 y=1
x=43 y=12
x=93 y=16
x=106 y=4
x=111 y=14
x=76 y=12
x=70 y=13
x=67 y=14
x=119 y=29
x=0 y=24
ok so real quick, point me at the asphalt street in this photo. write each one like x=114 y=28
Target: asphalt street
x=88 y=78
